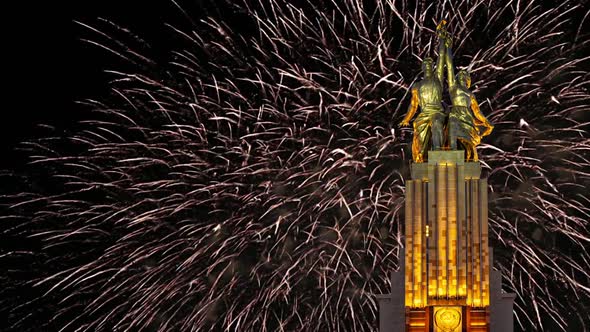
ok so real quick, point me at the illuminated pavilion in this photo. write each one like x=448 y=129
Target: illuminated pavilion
x=446 y=281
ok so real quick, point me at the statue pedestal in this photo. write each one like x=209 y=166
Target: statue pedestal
x=446 y=263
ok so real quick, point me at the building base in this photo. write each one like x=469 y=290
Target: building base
x=394 y=316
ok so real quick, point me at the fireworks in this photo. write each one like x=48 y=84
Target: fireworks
x=254 y=180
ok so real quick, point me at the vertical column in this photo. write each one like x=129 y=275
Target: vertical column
x=483 y=198
x=423 y=210
x=476 y=236
x=469 y=242
x=417 y=248
x=441 y=205
x=452 y=230
x=433 y=241
x=461 y=234
x=409 y=243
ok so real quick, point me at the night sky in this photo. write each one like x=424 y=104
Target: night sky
x=50 y=67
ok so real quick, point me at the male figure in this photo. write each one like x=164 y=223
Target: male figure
x=428 y=95
x=465 y=116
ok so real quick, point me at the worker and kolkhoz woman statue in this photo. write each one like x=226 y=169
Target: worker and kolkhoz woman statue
x=434 y=128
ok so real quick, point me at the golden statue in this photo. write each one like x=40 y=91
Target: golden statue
x=427 y=94
x=465 y=117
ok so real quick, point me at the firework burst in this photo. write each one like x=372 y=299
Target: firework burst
x=254 y=180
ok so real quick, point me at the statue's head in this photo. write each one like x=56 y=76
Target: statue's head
x=427 y=65
x=464 y=78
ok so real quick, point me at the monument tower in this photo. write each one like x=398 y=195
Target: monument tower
x=446 y=281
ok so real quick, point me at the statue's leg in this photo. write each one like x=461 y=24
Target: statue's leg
x=416 y=148
x=470 y=150
x=425 y=143
x=436 y=130
x=446 y=134
x=474 y=153
x=453 y=132
x=474 y=142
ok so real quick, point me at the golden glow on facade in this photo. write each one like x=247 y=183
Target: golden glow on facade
x=447 y=258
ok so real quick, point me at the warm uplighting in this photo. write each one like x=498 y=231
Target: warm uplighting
x=447 y=263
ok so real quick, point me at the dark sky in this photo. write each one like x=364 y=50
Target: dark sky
x=49 y=67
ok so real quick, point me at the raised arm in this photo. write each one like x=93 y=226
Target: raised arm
x=411 y=109
x=445 y=56
x=480 y=120
x=440 y=62
x=450 y=68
